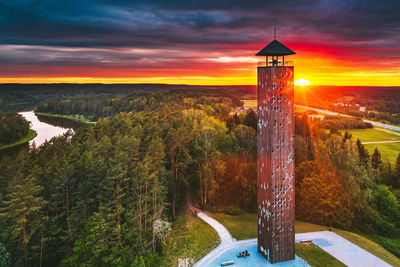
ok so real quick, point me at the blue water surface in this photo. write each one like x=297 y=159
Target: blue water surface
x=322 y=242
x=255 y=259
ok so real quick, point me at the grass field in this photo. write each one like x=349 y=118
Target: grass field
x=191 y=238
x=315 y=256
x=241 y=227
x=375 y=134
x=31 y=134
x=245 y=227
x=389 y=151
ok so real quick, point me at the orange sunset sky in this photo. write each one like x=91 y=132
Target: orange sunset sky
x=197 y=42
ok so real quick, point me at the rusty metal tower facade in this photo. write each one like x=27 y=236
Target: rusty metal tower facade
x=275 y=159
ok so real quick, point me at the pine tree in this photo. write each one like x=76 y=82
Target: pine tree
x=236 y=119
x=251 y=119
x=346 y=136
x=376 y=160
x=396 y=182
x=24 y=209
x=177 y=141
x=362 y=153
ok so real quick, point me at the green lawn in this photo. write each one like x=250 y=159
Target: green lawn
x=305 y=227
x=31 y=134
x=191 y=238
x=315 y=256
x=245 y=227
x=79 y=118
x=389 y=151
x=241 y=227
x=374 y=134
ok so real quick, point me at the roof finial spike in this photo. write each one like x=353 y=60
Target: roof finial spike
x=274 y=32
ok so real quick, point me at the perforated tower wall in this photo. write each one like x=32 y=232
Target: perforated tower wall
x=275 y=163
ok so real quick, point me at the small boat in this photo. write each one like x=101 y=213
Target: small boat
x=227 y=263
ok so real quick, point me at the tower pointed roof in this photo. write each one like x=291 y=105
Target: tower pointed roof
x=275 y=48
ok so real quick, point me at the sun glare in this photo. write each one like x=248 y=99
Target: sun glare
x=302 y=82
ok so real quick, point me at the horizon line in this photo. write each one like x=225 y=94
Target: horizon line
x=183 y=84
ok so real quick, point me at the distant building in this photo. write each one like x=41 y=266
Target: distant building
x=239 y=110
x=275 y=159
x=363 y=109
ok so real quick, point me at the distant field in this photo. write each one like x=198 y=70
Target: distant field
x=389 y=151
x=250 y=103
x=375 y=134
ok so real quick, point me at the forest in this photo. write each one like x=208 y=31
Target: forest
x=12 y=127
x=17 y=95
x=335 y=123
x=108 y=194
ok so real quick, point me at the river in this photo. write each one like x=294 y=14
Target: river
x=45 y=131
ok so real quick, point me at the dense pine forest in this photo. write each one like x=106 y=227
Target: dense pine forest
x=12 y=127
x=107 y=194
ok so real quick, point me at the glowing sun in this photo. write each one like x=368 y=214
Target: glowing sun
x=302 y=82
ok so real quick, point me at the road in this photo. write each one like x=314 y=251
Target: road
x=380 y=142
x=328 y=112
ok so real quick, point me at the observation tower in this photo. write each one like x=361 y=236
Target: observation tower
x=275 y=154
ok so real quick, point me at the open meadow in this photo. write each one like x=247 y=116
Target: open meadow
x=389 y=151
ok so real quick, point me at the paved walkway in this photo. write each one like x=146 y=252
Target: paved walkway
x=223 y=233
x=337 y=246
x=342 y=249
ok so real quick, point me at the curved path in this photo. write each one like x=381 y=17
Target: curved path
x=342 y=249
x=227 y=241
x=223 y=233
x=337 y=246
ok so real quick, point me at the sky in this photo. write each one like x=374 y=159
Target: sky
x=209 y=42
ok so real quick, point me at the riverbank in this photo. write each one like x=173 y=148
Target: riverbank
x=31 y=134
x=78 y=118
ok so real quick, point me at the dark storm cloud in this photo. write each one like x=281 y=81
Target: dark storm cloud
x=183 y=25
x=154 y=23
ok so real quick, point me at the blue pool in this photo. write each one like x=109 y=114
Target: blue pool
x=255 y=259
